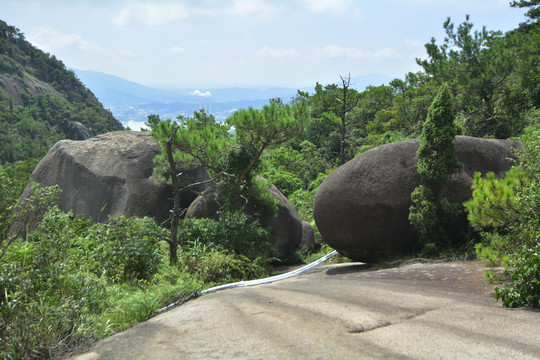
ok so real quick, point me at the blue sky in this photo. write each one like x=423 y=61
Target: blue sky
x=245 y=42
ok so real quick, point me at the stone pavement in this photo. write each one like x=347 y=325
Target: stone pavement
x=340 y=311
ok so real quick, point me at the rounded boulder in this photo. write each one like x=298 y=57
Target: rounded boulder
x=110 y=174
x=362 y=208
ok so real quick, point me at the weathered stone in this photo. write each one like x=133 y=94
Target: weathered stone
x=205 y=206
x=308 y=244
x=286 y=226
x=110 y=174
x=362 y=208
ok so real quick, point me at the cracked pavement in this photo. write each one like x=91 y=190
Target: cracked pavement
x=340 y=311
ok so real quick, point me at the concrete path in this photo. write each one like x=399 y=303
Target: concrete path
x=341 y=311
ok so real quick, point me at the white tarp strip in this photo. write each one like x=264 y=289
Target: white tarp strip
x=252 y=282
x=271 y=278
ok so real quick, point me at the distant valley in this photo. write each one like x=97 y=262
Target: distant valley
x=131 y=103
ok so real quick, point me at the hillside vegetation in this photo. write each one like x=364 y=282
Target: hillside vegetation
x=69 y=282
x=41 y=101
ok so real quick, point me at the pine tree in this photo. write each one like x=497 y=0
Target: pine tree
x=437 y=160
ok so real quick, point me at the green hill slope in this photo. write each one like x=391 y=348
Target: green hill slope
x=41 y=101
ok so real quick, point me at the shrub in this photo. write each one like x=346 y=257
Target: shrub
x=45 y=291
x=234 y=231
x=211 y=266
x=431 y=212
x=508 y=210
x=494 y=202
x=523 y=287
x=124 y=249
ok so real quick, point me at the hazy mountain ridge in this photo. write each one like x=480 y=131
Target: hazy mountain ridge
x=131 y=103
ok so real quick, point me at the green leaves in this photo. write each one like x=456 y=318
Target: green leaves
x=272 y=125
x=199 y=141
x=437 y=157
x=523 y=287
x=234 y=232
x=509 y=209
x=534 y=7
x=494 y=203
x=431 y=213
x=124 y=249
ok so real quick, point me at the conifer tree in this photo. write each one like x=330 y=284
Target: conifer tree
x=437 y=160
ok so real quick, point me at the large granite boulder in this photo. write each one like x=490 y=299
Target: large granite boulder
x=286 y=225
x=362 y=208
x=110 y=174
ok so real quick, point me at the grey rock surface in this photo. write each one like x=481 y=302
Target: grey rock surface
x=342 y=311
x=110 y=174
x=286 y=233
x=362 y=208
x=308 y=244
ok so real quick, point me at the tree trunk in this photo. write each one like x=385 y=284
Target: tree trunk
x=175 y=216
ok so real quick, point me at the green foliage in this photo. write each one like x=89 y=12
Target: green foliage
x=528 y=194
x=481 y=69
x=199 y=141
x=297 y=174
x=494 y=203
x=437 y=157
x=423 y=214
x=214 y=266
x=13 y=180
x=523 y=287
x=25 y=216
x=233 y=161
x=373 y=140
x=493 y=248
x=385 y=120
x=234 y=231
x=431 y=213
x=124 y=249
x=55 y=106
x=534 y=7
x=70 y=281
x=292 y=170
x=302 y=200
x=508 y=211
x=44 y=291
x=257 y=130
x=331 y=109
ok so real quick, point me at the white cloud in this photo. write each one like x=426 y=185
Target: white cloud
x=201 y=94
x=152 y=14
x=124 y=53
x=177 y=50
x=267 y=51
x=49 y=39
x=332 y=6
x=335 y=6
x=243 y=8
x=335 y=51
x=414 y=42
x=162 y=13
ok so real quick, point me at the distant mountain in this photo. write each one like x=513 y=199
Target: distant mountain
x=41 y=101
x=131 y=103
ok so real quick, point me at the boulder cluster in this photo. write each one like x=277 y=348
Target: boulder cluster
x=112 y=175
x=361 y=209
